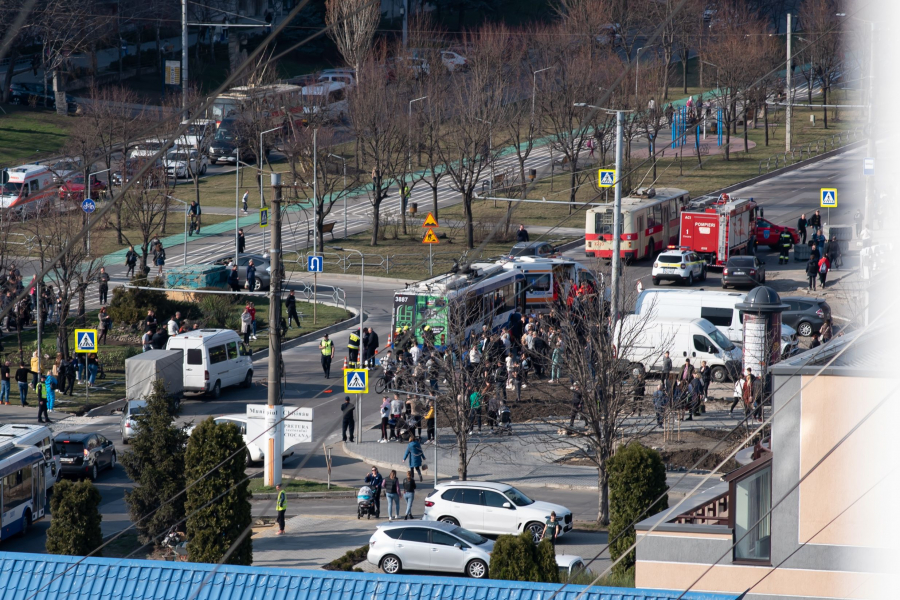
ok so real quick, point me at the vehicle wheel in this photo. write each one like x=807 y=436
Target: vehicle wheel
x=248 y=380
x=94 y=472
x=250 y=460
x=380 y=385
x=26 y=523
x=203 y=170
x=805 y=329
x=719 y=374
x=112 y=462
x=477 y=569
x=724 y=286
x=690 y=279
x=655 y=281
x=391 y=565
x=703 y=274
x=257 y=285
x=217 y=390
x=124 y=439
x=536 y=529
x=449 y=521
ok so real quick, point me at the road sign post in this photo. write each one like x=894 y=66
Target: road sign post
x=356 y=381
x=828 y=199
x=315 y=264
x=431 y=239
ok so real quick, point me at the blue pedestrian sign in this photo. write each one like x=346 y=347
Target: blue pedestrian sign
x=85 y=340
x=264 y=217
x=828 y=198
x=315 y=264
x=88 y=206
x=356 y=381
x=606 y=178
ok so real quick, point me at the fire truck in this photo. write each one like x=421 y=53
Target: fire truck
x=720 y=228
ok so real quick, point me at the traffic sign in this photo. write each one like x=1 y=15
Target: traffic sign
x=296 y=422
x=88 y=206
x=606 y=178
x=356 y=381
x=430 y=221
x=263 y=217
x=868 y=166
x=828 y=198
x=85 y=340
x=315 y=264
x=430 y=237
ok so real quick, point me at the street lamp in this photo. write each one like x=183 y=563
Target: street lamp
x=637 y=69
x=362 y=285
x=184 y=260
x=534 y=89
x=409 y=133
x=344 y=160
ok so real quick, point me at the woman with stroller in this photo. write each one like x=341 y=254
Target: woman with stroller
x=409 y=493
x=414 y=453
x=374 y=480
x=392 y=491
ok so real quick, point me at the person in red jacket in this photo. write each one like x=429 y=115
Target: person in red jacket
x=824 y=267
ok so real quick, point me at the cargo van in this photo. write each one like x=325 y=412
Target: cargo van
x=213 y=359
x=644 y=341
x=719 y=308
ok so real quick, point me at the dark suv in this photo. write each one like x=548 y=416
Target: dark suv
x=806 y=315
x=84 y=454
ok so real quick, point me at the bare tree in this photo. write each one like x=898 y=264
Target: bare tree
x=353 y=24
x=824 y=51
x=145 y=206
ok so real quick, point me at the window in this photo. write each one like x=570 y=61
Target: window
x=494 y=499
x=71 y=448
x=195 y=356
x=35 y=185
x=720 y=317
x=393 y=533
x=415 y=534
x=232 y=349
x=640 y=224
x=721 y=341
x=448 y=495
x=101 y=440
x=217 y=354
x=443 y=539
x=46 y=446
x=702 y=344
x=537 y=283
x=469 y=497
x=655 y=216
x=752 y=521
x=16 y=489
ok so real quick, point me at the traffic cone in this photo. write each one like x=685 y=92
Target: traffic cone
x=345 y=363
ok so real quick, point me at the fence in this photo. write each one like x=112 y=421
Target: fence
x=810 y=149
x=376 y=264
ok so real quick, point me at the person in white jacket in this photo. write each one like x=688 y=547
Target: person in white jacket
x=738 y=393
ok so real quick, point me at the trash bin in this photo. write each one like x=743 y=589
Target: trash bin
x=413 y=208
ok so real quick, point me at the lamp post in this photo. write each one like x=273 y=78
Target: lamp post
x=637 y=69
x=184 y=259
x=237 y=199
x=343 y=160
x=86 y=194
x=534 y=89
x=362 y=285
x=262 y=200
x=409 y=132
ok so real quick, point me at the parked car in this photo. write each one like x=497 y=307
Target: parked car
x=65 y=169
x=184 y=163
x=454 y=61
x=263 y=269
x=429 y=546
x=572 y=569
x=491 y=508
x=84 y=454
x=746 y=271
x=128 y=424
x=146 y=149
x=155 y=177
x=542 y=249
x=198 y=135
x=254 y=452
x=681 y=266
x=33 y=93
x=767 y=233
x=806 y=315
x=224 y=147
x=73 y=188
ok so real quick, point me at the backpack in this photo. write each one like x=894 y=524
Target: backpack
x=823 y=267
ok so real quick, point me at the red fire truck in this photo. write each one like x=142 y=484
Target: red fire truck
x=720 y=228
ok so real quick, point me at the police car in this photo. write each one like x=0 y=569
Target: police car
x=678 y=264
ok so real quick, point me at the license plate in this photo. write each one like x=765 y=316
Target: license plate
x=669 y=271
x=67 y=460
x=738 y=273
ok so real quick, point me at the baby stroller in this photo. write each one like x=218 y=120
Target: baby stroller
x=365 y=503
x=505 y=416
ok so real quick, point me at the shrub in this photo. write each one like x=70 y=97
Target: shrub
x=637 y=477
x=349 y=560
x=518 y=558
x=75 y=528
x=131 y=306
x=216 y=309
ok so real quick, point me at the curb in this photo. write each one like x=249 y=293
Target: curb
x=314 y=335
x=403 y=467
x=106 y=408
x=306 y=495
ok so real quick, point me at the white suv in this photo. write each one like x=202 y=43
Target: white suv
x=491 y=508
x=678 y=265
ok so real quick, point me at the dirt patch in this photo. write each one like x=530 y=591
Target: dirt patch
x=687 y=458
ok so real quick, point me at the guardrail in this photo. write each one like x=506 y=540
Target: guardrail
x=336 y=262
x=810 y=149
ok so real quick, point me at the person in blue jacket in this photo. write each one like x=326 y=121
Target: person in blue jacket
x=50 y=384
x=414 y=453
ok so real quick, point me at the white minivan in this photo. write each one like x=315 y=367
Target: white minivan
x=213 y=359
x=719 y=308
x=644 y=340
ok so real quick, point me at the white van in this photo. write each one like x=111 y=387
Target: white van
x=41 y=438
x=719 y=308
x=329 y=100
x=644 y=342
x=213 y=359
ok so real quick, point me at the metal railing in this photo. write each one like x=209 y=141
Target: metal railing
x=810 y=149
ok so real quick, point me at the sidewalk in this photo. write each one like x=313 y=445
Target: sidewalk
x=310 y=541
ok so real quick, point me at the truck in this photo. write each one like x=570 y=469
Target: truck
x=143 y=370
x=720 y=228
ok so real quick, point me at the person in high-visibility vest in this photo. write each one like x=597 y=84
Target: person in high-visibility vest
x=280 y=508
x=353 y=347
x=785 y=242
x=326 y=346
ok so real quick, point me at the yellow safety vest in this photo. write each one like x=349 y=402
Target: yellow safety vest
x=353 y=344
x=281 y=502
x=328 y=348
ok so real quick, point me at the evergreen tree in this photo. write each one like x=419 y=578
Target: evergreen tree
x=75 y=528
x=518 y=558
x=156 y=464
x=218 y=505
x=545 y=562
x=637 y=477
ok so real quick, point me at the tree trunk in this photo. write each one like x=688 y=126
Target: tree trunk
x=573 y=182
x=7 y=80
x=404 y=200
x=727 y=134
x=746 y=145
x=462 y=468
x=158 y=50
x=668 y=63
x=434 y=200
x=81 y=307
x=824 y=106
x=62 y=334
x=603 y=494
x=376 y=218
x=766 y=121
x=467 y=209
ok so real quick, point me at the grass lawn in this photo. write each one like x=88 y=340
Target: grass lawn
x=325 y=316
x=294 y=485
x=30 y=134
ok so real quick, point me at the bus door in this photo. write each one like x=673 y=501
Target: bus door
x=38 y=490
x=520 y=296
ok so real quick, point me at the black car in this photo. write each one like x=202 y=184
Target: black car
x=542 y=249
x=260 y=262
x=84 y=454
x=33 y=93
x=806 y=315
x=745 y=271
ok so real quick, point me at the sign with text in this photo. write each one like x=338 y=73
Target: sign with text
x=297 y=424
x=173 y=72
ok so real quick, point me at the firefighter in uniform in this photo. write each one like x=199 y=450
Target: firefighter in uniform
x=327 y=348
x=353 y=348
x=280 y=508
x=785 y=242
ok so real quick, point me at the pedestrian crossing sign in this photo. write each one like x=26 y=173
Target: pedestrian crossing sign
x=828 y=198
x=264 y=217
x=356 y=381
x=85 y=340
x=607 y=178
x=430 y=221
x=430 y=237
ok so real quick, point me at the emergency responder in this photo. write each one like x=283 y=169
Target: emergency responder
x=353 y=348
x=326 y=346
x=785 y=242
x=280 y=508
x=428 y=336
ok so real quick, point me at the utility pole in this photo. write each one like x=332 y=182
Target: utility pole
x=184 y=60
x=275 y=410
x=617 y=221
x=789 y=92
x=870 y=179
x=405 y=10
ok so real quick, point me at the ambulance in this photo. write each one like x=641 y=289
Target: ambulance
x=27 y=188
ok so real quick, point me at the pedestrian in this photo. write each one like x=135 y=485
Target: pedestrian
x=241 y=241
x=252 y=308
x=50 y=383
x=234 y=279
x=375 y=481
x=131 y=258
x=347 y=422
x=172 y=326
x=22 y=380
x=516 y=375
x=802 y=223
x=195 y=211
x=244 y=199
x=245 y=324
x=159 y=258
x=35 y=368
x=4 y=383
x=590 y=147
x=857 y=219
x=552 y=528
x=291 y=304
x=103 y=279
x=694 y=392
x=392 y=493
x=812 y=269
x=396 y=411
x=815 y=343
x=150 y=323
x=666 y=371
x=71 y=371
x=280 y=508
x=659 y=403
x=815 y=221
x=146 y=344
x=102 y=325
x=826 y=331
x=326 y=347
x=353 y=348
x=409 y=493
x=414 y=453
x=93 y=366
x=705 y=378
x=522 y=235
x=785 y=243
x=385 y=417
x=372 y=346
x=429 y=423
x=750 y=392
x=159 y=339
x=251 y=276
x=824 y=267
x=475 y=399
x=577 y=407
x=556 y=360
x=833 y=251
x=41 y=390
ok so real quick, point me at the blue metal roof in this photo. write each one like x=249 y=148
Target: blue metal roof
x=45 y=577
